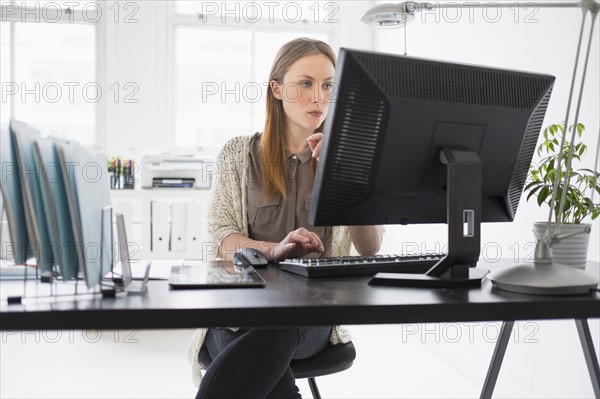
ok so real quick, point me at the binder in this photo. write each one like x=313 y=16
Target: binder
x=88 y=198
x=196 y=228
x=10 y=187
x=159 y=228
x=178 y=226
x=23 y=138
x=56 y=207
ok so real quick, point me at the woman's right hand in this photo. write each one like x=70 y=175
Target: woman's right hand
x=315 y=141
x=296 y=244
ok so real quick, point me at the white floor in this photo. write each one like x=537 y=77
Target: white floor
x=152 y=364
x=392 y=362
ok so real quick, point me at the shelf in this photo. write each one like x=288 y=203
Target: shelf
x=136 y=206
x=158 y=193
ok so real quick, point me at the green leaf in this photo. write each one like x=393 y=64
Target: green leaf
x=590 y=171
x=544 y=192
x=532 y=184
x=575 y=174
x=533 y=191
x=541 y=148
x=549 y=178
x=567 y=204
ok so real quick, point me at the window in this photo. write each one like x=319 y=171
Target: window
x=260 y=11
x=211 y=76
x=5 y=37
x=49 y=67
x=221 y=84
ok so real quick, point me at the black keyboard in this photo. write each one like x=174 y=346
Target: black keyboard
x=360 y=265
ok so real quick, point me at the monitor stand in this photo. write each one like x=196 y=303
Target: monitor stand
x=457 y=268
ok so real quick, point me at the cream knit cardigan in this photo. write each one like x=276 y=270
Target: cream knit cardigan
x=227 y=214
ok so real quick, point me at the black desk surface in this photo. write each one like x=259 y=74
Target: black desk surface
x=287 y=300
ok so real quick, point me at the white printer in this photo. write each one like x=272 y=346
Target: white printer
x=177 y=170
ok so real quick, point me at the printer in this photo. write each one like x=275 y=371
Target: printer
x=176 y=170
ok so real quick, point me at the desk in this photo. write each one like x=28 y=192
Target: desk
x=290 y=300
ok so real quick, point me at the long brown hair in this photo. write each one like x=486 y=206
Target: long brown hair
x=273 y=138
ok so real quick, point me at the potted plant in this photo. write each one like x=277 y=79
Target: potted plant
x=583 y=186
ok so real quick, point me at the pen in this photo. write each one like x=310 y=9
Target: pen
x=118 y=176
x=132 y=174
x=114 y=176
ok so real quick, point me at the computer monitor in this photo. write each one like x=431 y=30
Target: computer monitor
x=412 y=140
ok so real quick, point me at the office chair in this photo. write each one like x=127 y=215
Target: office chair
x=331 y=360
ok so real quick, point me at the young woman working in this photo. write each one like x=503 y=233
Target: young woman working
x=260 y=198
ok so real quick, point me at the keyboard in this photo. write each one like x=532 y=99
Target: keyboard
x=360 y=265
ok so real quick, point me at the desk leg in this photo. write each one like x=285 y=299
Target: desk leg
x=497 y=357
x=589 y=353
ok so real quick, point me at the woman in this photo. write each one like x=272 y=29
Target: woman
x=260 y=198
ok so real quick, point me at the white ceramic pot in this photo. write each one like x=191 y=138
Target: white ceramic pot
x=570 y=251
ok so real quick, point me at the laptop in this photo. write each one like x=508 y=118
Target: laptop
x=214 y=274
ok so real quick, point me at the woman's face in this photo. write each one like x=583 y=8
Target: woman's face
x=305 y=92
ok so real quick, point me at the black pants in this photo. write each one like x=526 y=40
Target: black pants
x=255 y=363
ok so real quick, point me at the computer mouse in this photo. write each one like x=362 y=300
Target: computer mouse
x=245 y=257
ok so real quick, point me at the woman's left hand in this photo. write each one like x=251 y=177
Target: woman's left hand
x=314 y=142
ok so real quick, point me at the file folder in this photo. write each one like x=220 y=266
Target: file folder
x=160 y=225
x=178 y=226
x=23 y=137
x=57 y=208
x=88 y=196
x=196 y=227
x=10 y=186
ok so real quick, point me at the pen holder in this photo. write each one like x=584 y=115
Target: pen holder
x=129 y=182
x=111 y=182
x=121 y=173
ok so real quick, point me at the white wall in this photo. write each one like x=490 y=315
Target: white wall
x=536 y=40
x=136 y=53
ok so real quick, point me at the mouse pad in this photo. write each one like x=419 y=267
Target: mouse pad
x=216 y=274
